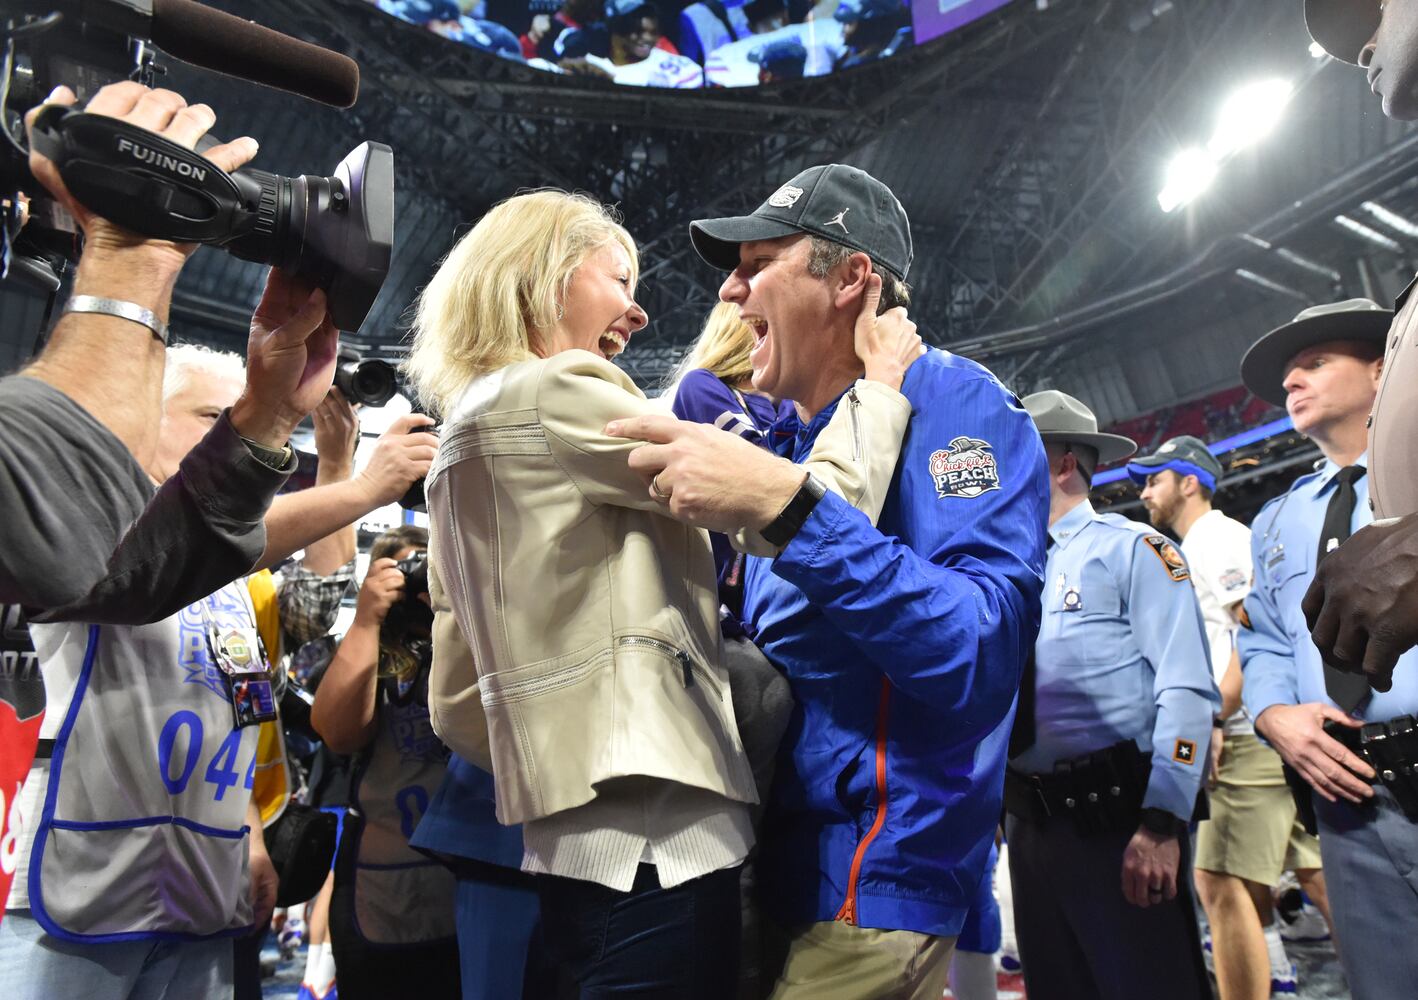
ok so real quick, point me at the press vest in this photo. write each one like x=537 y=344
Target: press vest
x=142 y=821
x=401 y=896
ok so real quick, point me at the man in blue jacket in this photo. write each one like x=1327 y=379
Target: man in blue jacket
x=903 y=642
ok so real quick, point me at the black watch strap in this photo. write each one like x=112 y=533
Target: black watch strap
x=780 y=531
x=1162 y=823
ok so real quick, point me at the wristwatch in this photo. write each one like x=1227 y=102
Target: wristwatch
x=780 y=531
x=269 y=457
x=1162 y=823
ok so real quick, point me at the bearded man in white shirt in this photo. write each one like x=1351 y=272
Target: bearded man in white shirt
x=1253 y=834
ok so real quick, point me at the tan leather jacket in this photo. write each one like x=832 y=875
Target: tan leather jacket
x=590 y=617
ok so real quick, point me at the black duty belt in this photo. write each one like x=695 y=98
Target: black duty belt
x=1100 y=792
x=1390 y=748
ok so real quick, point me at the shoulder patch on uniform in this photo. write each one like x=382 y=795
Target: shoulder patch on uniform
x=1234 y=579
x=966 y=468
x=1244 y=617
x=1171 y=558
x=1184 y=752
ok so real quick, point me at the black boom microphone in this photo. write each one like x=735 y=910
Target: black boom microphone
x=219 y=41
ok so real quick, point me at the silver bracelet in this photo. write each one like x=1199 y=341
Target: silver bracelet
x=130 y=311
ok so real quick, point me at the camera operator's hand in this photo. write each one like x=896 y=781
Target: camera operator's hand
x=290 y=360
x=383 y=586
x=336 y=435
x=159 y=111
x=402 y=455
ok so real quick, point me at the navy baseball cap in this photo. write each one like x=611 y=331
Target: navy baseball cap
x=1342 y=27
x=834 y=201
x=624 y=8
x=785 y=58
x=865 y=10
x=424 y=11
x=1184 y=455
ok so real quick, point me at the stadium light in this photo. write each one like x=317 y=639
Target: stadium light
x=1188 y=175
x=1367 y=233
x=1247 y=116
x=1390 y=218
x=1317 y=51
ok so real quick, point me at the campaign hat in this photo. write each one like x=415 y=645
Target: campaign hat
x=1264 y=366
x=1342 y=27
x=1061 y=419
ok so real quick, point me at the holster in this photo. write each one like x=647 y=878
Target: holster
x=1099 y=792
x=1390 y=748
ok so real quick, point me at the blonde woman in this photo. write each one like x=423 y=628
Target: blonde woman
x=590 y=683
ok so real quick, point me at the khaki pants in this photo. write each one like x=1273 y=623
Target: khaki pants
x=837 y=961
x=1253 y=832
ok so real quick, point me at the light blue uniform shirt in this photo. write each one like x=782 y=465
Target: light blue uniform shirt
x=1278 y=659
x=1122 y=655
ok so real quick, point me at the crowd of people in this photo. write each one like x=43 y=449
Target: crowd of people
x=741 y=691
x=676 y=44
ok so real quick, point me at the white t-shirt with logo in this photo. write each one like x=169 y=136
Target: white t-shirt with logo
x=1218 y=550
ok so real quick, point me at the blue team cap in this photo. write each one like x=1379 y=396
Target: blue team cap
x=849 y=11
x=424 y=11
x=489 y=36
x=1184 y=455
x=784 y=58
x=624 y=8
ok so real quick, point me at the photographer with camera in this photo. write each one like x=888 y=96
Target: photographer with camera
x=393 y=907
x=79 y=425
x=140 y=852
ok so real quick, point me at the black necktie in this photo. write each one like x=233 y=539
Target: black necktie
x=1021 y=737
x=1347 y=690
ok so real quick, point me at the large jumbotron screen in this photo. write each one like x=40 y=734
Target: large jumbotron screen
x=691 y=43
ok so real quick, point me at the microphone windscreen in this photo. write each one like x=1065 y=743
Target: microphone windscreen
x=219 y=41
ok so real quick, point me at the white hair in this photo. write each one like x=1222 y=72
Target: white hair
x=184 y=359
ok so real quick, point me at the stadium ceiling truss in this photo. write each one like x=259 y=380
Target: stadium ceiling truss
x=1053 y=178
x=478 y=128
x=1052 y=220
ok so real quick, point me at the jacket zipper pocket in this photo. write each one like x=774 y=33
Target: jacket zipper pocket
x=685 y=663
x=848 y=913
x=853 y=406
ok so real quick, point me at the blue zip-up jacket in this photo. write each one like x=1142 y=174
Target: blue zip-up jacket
x=904 y=644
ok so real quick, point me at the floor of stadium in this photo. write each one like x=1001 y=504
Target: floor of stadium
x=1319 y=976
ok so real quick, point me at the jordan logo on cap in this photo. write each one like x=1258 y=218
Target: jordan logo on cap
x=836 y=220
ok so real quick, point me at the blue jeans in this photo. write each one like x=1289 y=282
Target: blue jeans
x=37 y=966
x=649 y=943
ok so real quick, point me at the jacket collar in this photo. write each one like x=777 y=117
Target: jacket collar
x=793 y=438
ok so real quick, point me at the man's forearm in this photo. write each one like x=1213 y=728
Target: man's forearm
x=113 y=367
x=327 y=554
x=203 y=529
x=297 y=520
x=1231 y=682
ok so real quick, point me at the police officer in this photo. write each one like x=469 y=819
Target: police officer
x=1363 y=605
x=1325 y=368
x=1109 y=745
x=1252 y=834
